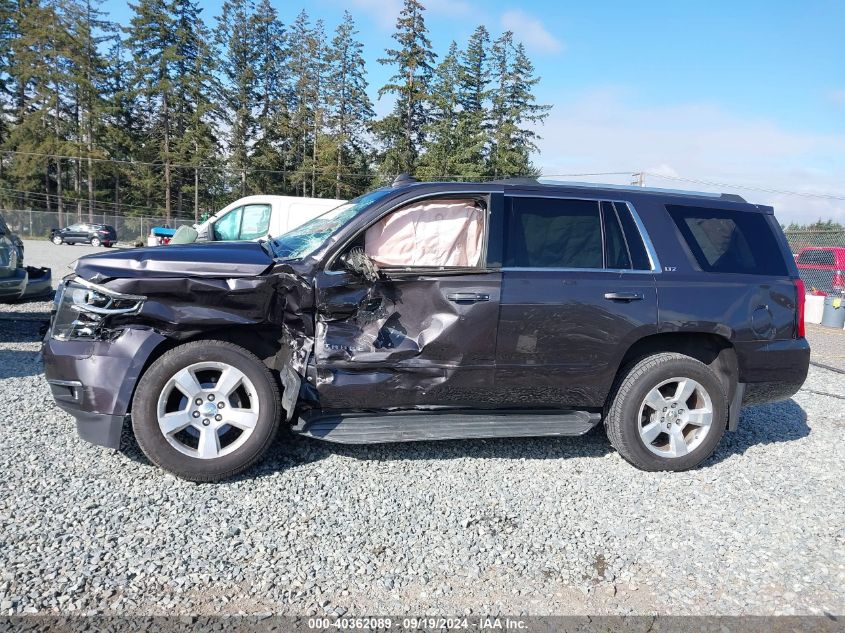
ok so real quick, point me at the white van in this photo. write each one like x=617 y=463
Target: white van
x=259 y=217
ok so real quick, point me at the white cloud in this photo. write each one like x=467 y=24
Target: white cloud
x=603 y=131
x=531 y=32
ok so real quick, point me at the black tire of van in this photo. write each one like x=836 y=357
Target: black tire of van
x=622 y=421
x=151 y=439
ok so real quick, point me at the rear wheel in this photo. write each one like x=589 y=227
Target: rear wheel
x=668 y=413
x=57 y=240
x=95 y=241
x=206 y=411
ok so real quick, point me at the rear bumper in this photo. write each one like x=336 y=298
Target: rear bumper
x=94 y=380
x=772 y=370
x=13 y=286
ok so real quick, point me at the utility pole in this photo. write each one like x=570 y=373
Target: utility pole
x=638 y=179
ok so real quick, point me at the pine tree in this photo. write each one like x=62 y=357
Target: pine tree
x=122 y=130
x=402 y=132
x=513 y=110
x=350 y=107
x=88 y=31
x=473 y=94
x=151 y=42
x=39 y=73
x=239 y=54
x=273 y=100
x=195 y=88
x=442 y=141
x=306 y=71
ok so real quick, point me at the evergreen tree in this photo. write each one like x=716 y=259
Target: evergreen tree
x=513 y=110
x=473 y=94
x=151 y=41
x=239 y=54
x=88 y=30
x=350 y=107
x=306 y=70
x=194 y=90
x=442 y=141
x=274 y=100
x=402 y=132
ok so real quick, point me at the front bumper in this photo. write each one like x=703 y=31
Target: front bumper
x=94 y=380
x=13 y=286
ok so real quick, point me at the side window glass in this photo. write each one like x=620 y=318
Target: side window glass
x=615 y=250
x=636 y=247
x=726 y=241
x=553 y=233
x=255 y=222
x=228 y=227
x=433 y=233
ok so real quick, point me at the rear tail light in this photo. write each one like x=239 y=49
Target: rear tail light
x=799 y=303
x=838 y=280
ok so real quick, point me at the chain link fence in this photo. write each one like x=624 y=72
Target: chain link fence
x=36 y=225
x=820 y=255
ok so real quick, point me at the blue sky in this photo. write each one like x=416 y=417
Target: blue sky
x=748 y=92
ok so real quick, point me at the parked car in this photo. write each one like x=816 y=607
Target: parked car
x=260 y=217
x=822 y=267
x=440 y=310
x=17 y=280
x=85 y=233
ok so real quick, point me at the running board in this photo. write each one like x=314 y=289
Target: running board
x=405 y=426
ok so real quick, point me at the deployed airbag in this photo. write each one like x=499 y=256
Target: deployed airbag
x=434 y=233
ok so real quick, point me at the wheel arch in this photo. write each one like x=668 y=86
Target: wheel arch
x=715 y=351
x=248 y=337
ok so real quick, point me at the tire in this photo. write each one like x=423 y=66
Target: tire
x=649 y=434
x=255 y=398
x=57 y=240
x=95 y=241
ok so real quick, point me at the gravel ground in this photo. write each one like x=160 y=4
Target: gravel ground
x=540 y=526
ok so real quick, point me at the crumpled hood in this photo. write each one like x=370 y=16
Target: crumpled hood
x=215 y=259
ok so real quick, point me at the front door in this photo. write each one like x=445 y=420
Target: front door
x=577 y=290
x=424 y=333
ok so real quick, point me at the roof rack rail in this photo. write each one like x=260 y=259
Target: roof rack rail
x=540 y=181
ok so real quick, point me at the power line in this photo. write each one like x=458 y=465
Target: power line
x=709 y=183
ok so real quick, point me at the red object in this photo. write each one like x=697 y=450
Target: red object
x=824 y=258
x=800 y=301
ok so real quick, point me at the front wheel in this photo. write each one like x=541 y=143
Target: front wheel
x=95 y=241
x=57 y=240
x=206 y=410
x=668 y=413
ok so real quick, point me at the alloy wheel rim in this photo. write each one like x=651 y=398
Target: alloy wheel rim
x=675 y=417
x=207 y=410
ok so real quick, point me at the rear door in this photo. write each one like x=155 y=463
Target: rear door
x=578 y=289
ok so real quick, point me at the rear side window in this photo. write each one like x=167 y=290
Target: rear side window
x=723 y=241
x=615 y=249
x=821 y=257
x=553 y=233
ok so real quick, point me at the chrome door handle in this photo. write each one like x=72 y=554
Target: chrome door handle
x=468 y=297
x=623 y=296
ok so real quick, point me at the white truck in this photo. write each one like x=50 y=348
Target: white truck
x=259 y=217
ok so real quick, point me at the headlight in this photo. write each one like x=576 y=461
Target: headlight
x=83 y=307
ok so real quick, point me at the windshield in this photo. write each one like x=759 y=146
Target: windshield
x=308 y=237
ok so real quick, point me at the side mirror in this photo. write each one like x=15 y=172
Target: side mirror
x=358 y=262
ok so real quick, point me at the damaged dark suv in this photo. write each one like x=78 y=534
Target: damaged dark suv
x=439 y=310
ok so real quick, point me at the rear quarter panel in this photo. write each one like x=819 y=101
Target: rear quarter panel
x=753 y=312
